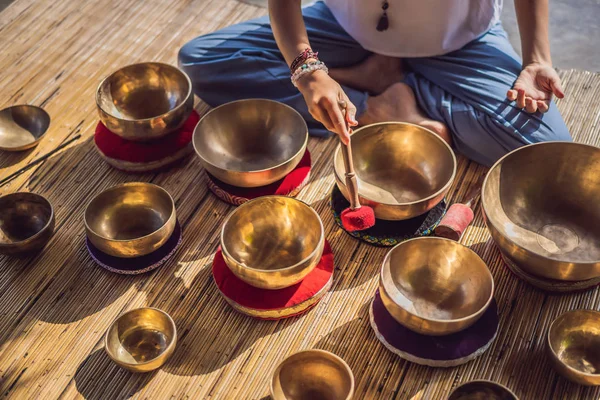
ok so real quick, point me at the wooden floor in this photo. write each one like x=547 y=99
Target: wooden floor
x=56 y=306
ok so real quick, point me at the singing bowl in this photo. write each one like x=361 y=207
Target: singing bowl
x=130 y=220
x=482 y=390
x=540 y=204
x=312 y=374
x=142 y=102
x=141 y=340
x=574 y=346
x=403 y=170
x=22 y=127
x=251 y=143
x=435 y=286
x=26 y=223
x=272 y=242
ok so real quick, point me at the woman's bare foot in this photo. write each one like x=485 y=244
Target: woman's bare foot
x=398 y=103
x=374 y=75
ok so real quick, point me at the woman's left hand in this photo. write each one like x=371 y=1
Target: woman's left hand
x=535 y=86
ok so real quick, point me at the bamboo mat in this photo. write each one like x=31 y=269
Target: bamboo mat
x=56 y=306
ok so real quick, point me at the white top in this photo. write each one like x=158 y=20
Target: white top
x=417 y=28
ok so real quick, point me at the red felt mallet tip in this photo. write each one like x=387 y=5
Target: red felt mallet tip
x=455 y=222
x=358 y=219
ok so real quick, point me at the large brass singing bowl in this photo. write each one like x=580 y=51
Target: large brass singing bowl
x=272 y=242
x=541 y=206
x=435 y=286
x=482 y=390
x=26 y=223
x=403 y=170
x=145 y=101
x=312 y=374
x=22 y=127
x=574 y=346
x=141 y=340
x=130 y=220
x=251 y=143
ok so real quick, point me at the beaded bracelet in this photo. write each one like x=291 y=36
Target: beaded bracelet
x=302 y=57
x=306 y=69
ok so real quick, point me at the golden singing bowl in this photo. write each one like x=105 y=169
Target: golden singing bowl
x=251 y=143
x=312 y=374
x=22 y=127
x=541 y=206
x=272 y=242
x=141 y=340
x=403 y=170
x=435 y=286
x=145 y=101
x=26 y=223
x=131 y=219
x=482 y=390
x=574 y=346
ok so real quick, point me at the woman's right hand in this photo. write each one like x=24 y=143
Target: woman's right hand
x=323 y=96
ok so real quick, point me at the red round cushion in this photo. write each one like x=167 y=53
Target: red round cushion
x=263 y=299
x=114 y=146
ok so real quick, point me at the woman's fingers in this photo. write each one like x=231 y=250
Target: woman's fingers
x=521 y=98
x=557 y=87
x=337 y=118
x=530 y=105
x=350 y=112
x=511 y=94
x=542 y=106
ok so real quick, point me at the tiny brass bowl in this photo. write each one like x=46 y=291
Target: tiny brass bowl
x=435 y=286
x=482 y=390
x=145 y=101
x=272 y=242
x=574 y=346
x=540 y=204
x=141 y=340
x=26 y=223
x=130 y=220
x=312 y=374
x=251 y=143
x=22 y=127
x=403 y=170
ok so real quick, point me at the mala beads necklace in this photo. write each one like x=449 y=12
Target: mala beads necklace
x=383 y=23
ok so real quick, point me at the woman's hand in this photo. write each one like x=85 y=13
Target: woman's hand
x=534 y=87
x=324 y=97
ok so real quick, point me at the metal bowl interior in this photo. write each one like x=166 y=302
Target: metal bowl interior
x=250 y=143
x=312 y=374
x=141 y=339
x=482 y=390
x=540 y=203
x=403 y=170
x=574 y=342
x=435 y=286
x=22 y=127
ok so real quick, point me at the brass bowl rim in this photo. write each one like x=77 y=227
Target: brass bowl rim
x=41 y=231
x=483 y=201
x=182 y=104
x=87 y=226
x=553 y=352
x=426 y=238
x=302 y=148
x=485 y=381
x=171 y=344
x=321 y=352
x=37 y=140
x=429 y=131
x=316 y=250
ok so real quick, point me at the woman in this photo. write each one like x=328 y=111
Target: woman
x=443 y=64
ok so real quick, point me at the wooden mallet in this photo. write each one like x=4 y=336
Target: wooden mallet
x=459 y=216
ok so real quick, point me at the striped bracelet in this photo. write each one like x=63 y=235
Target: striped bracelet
x=306 y=69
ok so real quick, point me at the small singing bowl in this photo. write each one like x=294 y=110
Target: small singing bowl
x=141 y=340
x=251 y=143
x=540 y=205
x=403 y=170
x=482 y=390
x=26 y=223
x=22 y=127
x=272 y=242
x=130 y=220
x=312 y=374
x=142 y=102
x=574 y=346
x=435 y=286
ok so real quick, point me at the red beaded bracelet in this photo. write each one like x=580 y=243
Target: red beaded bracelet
x=302 y=57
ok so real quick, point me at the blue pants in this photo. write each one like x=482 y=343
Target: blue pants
x=465 y=89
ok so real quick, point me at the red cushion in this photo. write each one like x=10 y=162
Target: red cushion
x=114 y=146
x=263 y=299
